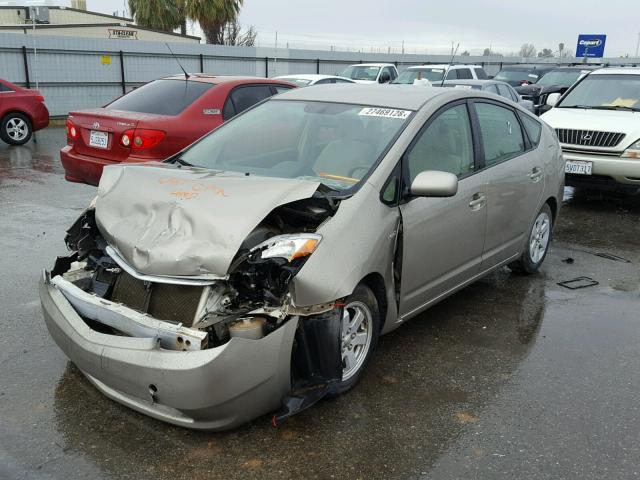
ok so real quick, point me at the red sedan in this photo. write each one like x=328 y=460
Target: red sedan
x=156 y=121
x=22 y=112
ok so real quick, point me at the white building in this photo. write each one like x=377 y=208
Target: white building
x=77 y=22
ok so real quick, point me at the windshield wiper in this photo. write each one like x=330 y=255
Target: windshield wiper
x=586 y=107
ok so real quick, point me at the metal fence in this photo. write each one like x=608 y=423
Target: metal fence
x=75 y=73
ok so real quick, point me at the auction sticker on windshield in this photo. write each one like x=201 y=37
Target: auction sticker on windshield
x=578 y=167
x=385 y=112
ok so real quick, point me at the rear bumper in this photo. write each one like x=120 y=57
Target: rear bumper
x=213 y=389
x=85 y=169
x=624 y=171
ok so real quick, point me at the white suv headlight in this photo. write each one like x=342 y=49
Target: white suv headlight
x=633 y=151
x=289 y=247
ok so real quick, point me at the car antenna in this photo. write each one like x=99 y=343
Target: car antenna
x=186 y=75
x=446 y=72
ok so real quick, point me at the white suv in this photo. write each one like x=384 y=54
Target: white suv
x=434 y=73
x=598 y=125
x=371 y=72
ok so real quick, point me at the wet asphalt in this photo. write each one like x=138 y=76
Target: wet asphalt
x=513 y=377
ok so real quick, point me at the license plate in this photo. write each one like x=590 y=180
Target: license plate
x=578 y=167
x=98 y=139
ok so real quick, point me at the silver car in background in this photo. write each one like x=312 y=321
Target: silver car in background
x=254 y=271
x=502 y=89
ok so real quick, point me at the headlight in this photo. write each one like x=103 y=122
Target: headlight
x=633 y=151
x=289 y=247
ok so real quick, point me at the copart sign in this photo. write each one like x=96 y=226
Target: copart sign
x=591 y=45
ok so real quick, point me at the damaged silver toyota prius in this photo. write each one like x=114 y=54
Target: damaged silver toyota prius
x=254 y=271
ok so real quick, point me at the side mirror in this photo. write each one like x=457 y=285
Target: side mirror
x=384 y=78
x=552 y=99
x=432 y=183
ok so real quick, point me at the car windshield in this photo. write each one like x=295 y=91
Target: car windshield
x=332 y=143
x=610 y=92
x=359 y=72
x=560 y=78
x=161 y=97
x=301 y=82
x=517 y=76
x=412 y=74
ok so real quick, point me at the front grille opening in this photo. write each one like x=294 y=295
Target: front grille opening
x=175 y=303
x=589 y=138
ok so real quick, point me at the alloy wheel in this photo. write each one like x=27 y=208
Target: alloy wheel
x=17 y=129
x=539 y=239
x=357 y=324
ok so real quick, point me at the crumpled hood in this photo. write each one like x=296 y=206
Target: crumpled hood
x=179 y=221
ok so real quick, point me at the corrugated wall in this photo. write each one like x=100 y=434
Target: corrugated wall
x=75 y=73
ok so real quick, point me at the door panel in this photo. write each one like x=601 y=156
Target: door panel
x=443 y=238
x=514 y=182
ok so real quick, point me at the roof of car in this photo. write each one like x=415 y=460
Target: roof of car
x=445 y=65
x=406 y=97
x=218 y=79
x=617 y=71
x=473 y=82
x=372 y=65
x=576 y=67
x=310 y=76
x=529 y=67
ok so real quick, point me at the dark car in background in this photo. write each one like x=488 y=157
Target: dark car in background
x=557 y=80
x=22 y=112
x=518 y=75
x=156 y=120
x=502 y=89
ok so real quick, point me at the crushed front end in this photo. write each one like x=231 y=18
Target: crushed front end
x=206 y=352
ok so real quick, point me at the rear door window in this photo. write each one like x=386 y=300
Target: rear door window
x=161 y=97
x=505 y=92
x=464 y=74
x=501 y=133
x=4 y=88
x=491 y=88
x=246 y=97
x=480 y=73
x=452 y=74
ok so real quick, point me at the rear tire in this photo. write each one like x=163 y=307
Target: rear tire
x=537 y=244
x=16 y=129
x=359 y=333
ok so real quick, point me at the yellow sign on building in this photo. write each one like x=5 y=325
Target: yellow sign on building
x=106 y=59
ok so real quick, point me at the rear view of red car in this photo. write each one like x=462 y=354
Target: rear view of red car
x=22 y=112
x=156 y=121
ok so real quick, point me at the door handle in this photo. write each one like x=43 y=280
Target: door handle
x=478 y=201
x=536 y=174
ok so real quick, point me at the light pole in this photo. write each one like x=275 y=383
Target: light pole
x=638 y=45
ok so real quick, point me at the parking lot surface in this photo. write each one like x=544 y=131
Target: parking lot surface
x=513 y=377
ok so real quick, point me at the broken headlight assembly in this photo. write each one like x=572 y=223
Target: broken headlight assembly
x=289 y=247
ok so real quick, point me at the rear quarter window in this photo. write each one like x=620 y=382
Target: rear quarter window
x=480 y=73
x=533 y=129
x=161 y=97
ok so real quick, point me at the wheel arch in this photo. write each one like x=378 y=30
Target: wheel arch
x=15 y=110
x=553 y=205
x=375 y=282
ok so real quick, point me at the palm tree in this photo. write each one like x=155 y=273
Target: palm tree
x=165 y=15
x=213 y=16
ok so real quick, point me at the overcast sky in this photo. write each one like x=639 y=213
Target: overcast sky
x=430 y=26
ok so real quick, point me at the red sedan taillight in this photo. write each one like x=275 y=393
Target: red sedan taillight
x=141 y=138
x=72 y=131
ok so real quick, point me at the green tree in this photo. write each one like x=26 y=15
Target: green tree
x=165 y=15
x=213 y=16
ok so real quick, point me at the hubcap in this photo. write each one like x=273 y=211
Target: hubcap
x=17 y=129
x=356 y=337
x=539 y=239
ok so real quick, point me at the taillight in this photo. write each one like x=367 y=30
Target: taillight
x=141 y=138
x=72 y=131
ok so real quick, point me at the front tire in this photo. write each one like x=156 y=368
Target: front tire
x=359 y=335
x=537 y=246
x=16 y=129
